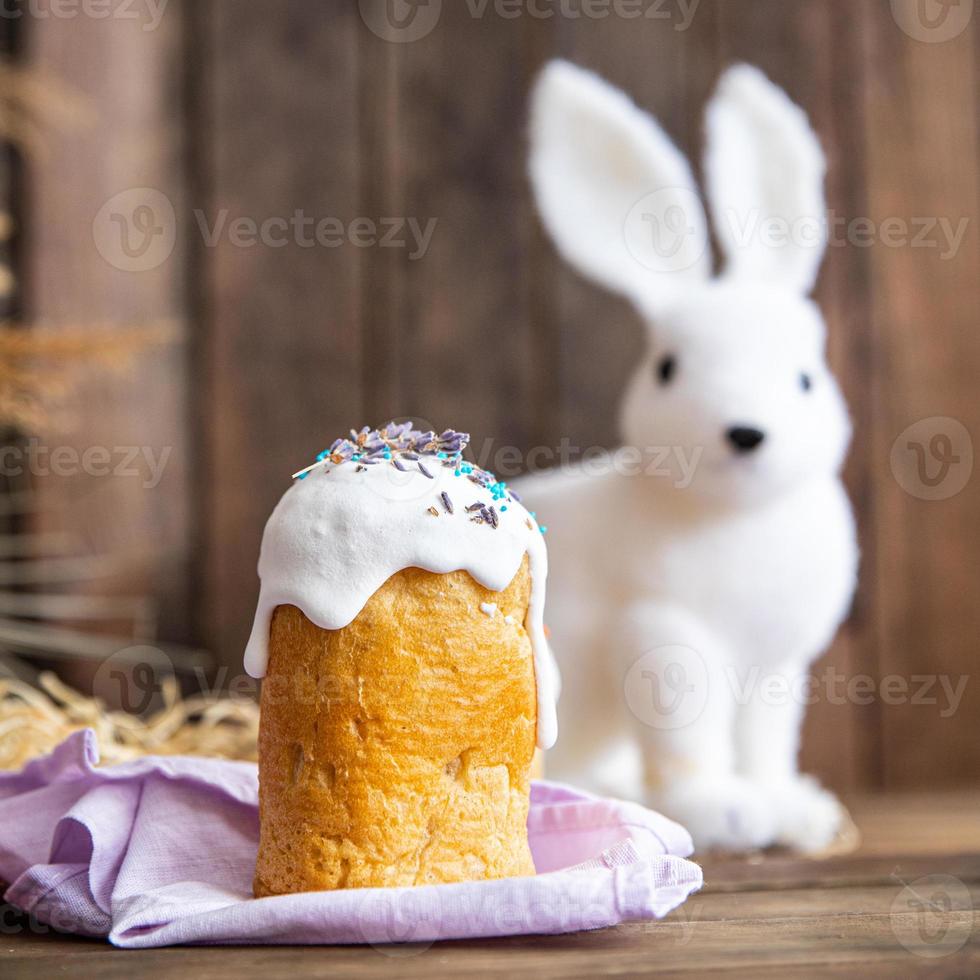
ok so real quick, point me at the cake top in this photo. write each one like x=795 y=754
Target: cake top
x=408 y=450
x=386 y=499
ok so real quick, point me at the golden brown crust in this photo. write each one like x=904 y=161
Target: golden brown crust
x=397 y=751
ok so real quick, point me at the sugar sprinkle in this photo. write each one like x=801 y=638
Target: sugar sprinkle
x=397 y=443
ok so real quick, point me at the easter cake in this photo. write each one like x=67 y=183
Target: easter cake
x=407 y=675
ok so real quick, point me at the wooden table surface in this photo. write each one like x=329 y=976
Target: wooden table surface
x=901 y=905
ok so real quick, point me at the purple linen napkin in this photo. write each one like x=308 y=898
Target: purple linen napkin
x=161 y=851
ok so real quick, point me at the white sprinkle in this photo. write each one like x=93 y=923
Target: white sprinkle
x=509 y=620
x=490 y=608
x=310 y=468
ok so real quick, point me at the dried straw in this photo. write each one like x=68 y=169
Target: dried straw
x=33 y=722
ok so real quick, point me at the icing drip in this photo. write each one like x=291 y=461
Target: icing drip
x=336 y=536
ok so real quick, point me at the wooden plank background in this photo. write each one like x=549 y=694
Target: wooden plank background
x=126 y=134
x=257 y=110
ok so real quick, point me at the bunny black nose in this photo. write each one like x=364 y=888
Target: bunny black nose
x=745 y=439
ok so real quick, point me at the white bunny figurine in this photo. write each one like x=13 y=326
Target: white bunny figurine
x=693 y=583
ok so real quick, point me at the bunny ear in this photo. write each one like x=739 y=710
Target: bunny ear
x=765 y=171
x=616 y=195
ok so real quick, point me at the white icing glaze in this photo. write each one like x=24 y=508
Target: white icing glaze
x=335 y=538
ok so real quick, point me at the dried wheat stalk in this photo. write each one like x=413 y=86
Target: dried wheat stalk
x=40 y=366
x=32 y=103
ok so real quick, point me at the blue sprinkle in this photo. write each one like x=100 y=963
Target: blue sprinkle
x=502 y=509
x=441 y=455
x=532 y=513
x=544 y=530
x=456 y=473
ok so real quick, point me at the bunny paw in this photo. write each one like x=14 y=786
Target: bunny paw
x=723 y=813
x=808 y=817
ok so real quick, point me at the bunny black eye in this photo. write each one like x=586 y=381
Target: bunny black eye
x=806 y=382
x=667 y=368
